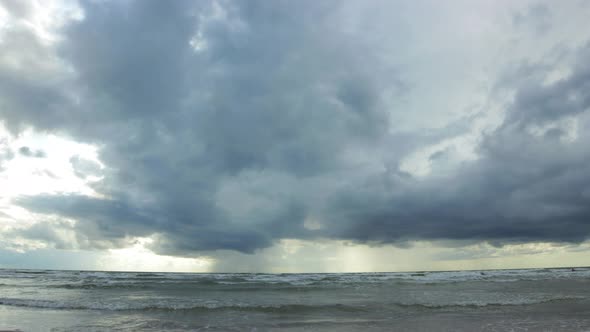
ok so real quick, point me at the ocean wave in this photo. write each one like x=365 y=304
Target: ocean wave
x=481 y=304
x=171 y=284
x=31 y=271
x=164 y=305
x=211 y=306
x=87 y=279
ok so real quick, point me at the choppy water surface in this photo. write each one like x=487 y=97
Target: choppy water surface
x=500 y=300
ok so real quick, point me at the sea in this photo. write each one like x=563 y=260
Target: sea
x=555 y=299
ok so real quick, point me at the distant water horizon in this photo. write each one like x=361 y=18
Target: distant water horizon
x=469 y=300
x=302 y=272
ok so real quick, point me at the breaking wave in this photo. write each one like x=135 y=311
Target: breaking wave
x=87 y=280
x=291 y=308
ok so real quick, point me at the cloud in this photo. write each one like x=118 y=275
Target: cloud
x=177 y=157
x=27 y=152
x=48 y=259
x=85 y=167
x=528 y=183
x=538 y=17
x=33 y=78
x=6 y=154
x=95 y=218
x=285 y=113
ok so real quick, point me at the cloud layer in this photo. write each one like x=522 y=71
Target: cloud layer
x=232 y=125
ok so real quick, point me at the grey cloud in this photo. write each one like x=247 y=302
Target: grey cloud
x=536 y=16
x=538 y=104
x=523 y=187
x=17 y=8
x=46 y=173
x=136 y=62
x=84 y=167
x=98 y=218
x=6 y=154
x=177 y=124
x=283 y=116
x=32 y=79
x=28 y=152
x=46 y=232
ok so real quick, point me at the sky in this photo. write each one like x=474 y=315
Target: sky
x=294 y=136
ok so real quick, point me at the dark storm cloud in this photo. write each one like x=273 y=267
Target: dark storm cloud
x=98 y=215
x=538 y=104
x=134 y=54
x=107 y=223
x=526 y=186
x=33 y=87
x=176 y=125
x=48 y=233
x=279 y=116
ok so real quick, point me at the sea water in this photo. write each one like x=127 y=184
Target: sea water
x=498 y=300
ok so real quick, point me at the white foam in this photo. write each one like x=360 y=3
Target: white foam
x=57 y=278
